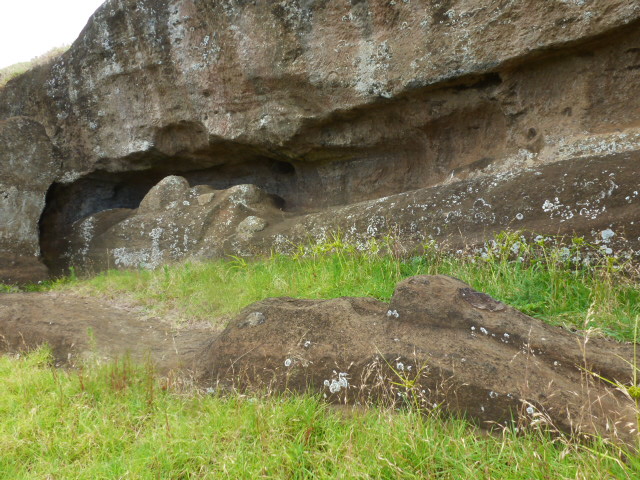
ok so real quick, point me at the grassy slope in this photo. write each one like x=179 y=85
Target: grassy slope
x=118 y=422
x=122 y=422
x=539 y=278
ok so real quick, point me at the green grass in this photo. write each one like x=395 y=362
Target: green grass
x=539 y=278
x=119 y=421
x=12 y=71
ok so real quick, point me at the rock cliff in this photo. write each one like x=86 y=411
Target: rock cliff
x=442 y=118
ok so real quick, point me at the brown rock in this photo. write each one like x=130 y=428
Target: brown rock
x=27 y=168
x=328 y=104
x=173 y=222
x=455 y=347
x=88 y=329
x=586 y=196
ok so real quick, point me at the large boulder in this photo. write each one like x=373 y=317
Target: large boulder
x=438 y=344
x=328 y=104
x=173 y=222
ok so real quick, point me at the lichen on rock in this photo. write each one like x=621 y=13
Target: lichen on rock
x=339 y=112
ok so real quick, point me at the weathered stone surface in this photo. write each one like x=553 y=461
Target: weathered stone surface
x=586 y=196
x=465 y=351
x=328 y=104
x=27 y=168
x=583 y=196
x=173 y=222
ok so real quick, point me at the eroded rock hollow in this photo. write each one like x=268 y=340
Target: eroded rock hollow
x=450 y=119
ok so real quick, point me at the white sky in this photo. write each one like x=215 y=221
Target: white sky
x=29 y=28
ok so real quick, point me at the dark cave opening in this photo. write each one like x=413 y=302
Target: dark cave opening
x=100 y=191
x=65 y=204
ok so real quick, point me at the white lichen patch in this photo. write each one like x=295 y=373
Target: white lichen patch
x=372 y=64
x=86 y=231
x=593 y=145
x=335 y=385
x=70 y=176
x=607 y=235
x=130 y=257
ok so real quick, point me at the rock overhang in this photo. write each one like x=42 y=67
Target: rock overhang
x=328 y=104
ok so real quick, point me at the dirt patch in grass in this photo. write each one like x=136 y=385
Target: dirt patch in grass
x=79 y=328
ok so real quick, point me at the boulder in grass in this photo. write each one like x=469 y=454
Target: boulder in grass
x=438 y=342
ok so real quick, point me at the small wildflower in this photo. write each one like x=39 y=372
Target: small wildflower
x=530 y=410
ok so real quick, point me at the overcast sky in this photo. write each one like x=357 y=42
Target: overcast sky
x=29 y=28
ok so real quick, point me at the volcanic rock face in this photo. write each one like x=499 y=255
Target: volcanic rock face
x=327 y=104
x=176 y=222
x=27 y=168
